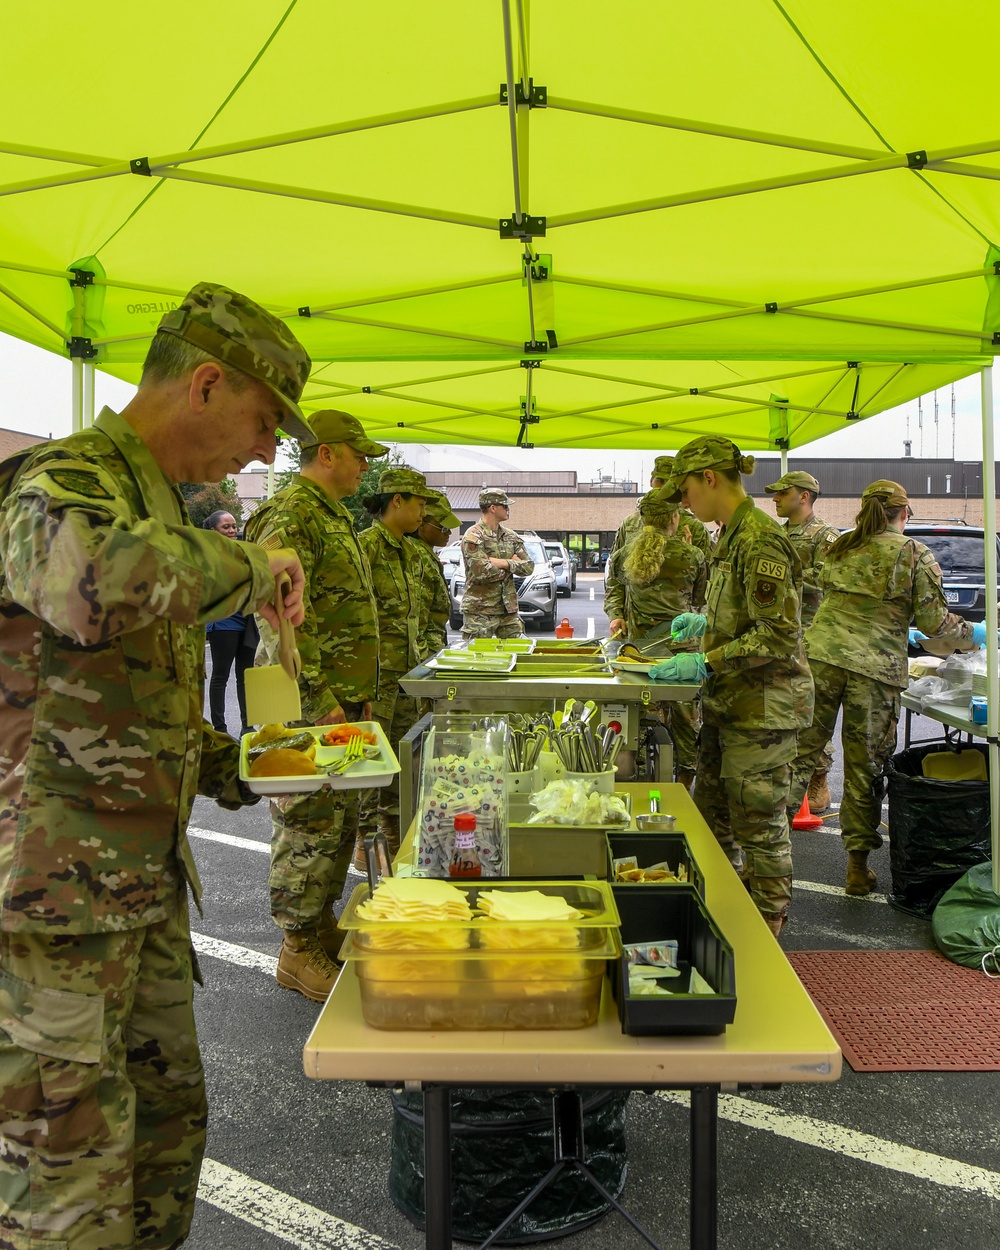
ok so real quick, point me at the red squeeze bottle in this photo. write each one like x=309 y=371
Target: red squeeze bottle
x=465 y=858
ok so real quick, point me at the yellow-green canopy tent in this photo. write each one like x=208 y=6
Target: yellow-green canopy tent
x=565 y=223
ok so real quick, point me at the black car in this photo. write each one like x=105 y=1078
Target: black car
x=959 y=551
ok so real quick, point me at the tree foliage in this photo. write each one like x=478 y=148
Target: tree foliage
x=203 y=498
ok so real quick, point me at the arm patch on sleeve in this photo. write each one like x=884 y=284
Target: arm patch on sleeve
x=765 y=593
x=776 y=570
x=77 y=482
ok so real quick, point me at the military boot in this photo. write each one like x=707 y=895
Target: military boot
x=685 y=778
x=305 y=966
x=776 y=923
x=860 y=878
x=818 y=793
x=360 y=861
x=331 y=936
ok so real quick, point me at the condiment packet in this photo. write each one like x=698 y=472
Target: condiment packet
x=657 y=954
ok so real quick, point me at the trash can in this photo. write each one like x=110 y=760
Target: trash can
x=501 y=1148
x=937 y=829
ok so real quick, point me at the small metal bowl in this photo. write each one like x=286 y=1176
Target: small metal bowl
x=656 y=822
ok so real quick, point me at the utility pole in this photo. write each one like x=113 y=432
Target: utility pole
x=953 y=420
x=920 y=422
x=937 y=431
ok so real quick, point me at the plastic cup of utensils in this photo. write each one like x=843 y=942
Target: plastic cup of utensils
x=527 y=782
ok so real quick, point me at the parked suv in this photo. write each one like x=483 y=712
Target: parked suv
x=536 y=593
x=959 y=551
x=564 y=568
x=451 y=559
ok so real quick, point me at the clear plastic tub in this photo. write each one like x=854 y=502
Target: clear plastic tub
x=485 y=973
x=463 y=770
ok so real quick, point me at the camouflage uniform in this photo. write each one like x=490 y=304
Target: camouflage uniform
x=489 y=604
x=811 y=541
x=758 y=693
x=396 y=577
x=678 y=585
x=857 y=651
x=435 y=606
x=106 y=591
x=313 y=834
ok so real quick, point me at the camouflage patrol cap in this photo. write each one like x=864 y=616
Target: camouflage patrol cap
x=401 y=480
x=663 y=466
x=491 y=495
x=889 y=494
x=332 y=426
x=246 y=337
x=797 y=478
x=439 y=510
x=710 y=451
x=656 y=506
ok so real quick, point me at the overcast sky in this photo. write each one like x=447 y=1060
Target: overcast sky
x=35 y=398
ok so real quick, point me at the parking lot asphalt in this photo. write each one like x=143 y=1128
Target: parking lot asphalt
x=893 y=1160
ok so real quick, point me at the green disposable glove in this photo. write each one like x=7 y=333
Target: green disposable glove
x=688 y=666
x=687 y=625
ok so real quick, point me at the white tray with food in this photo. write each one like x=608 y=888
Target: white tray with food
x=312 y=758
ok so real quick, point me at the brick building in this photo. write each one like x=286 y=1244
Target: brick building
x=585 y=515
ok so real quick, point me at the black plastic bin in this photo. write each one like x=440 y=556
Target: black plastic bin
x=655 y=848
x=937 y=829
x=501 y=1148
x=655 y=913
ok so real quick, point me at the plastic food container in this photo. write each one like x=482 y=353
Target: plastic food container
x=651 y=914
x=462 y=771
x=364 y=775
x=485 y=973
x=655 y=848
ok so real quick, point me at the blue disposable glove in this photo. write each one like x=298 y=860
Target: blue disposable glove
x=916 y=637
x=687 y=625
x=979 y=633
x=688 y=666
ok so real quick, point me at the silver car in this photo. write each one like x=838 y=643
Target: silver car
x=536 y=593
x=564 y=567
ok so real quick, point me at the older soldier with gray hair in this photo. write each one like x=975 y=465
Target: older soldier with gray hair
x=313 y=834
x=106 y=589
x=493 y=555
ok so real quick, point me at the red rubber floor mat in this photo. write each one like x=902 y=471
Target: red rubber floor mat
x=904 y=1011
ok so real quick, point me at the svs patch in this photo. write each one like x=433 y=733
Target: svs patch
x=765 y=593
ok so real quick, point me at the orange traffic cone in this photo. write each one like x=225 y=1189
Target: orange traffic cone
x=805 y=819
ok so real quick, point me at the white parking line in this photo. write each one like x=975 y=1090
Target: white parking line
x=280 y=1214
x=245 y=844
x=233 y=954
x=938 y=1169
x=590 y=627
x=591 y=594
x=816 y=887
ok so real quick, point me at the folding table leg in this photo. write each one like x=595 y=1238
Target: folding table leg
x=437 y=1167
x=704 y=1166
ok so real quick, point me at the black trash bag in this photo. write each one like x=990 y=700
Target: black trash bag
x=501 y=1148
x=966 y=922
x=937 y=830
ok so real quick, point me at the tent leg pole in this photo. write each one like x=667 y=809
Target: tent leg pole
x=784 y=461
x=88 y=393
x=77 y=382
x=992 y=654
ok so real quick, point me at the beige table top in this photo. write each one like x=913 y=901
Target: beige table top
x=777 y=1036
